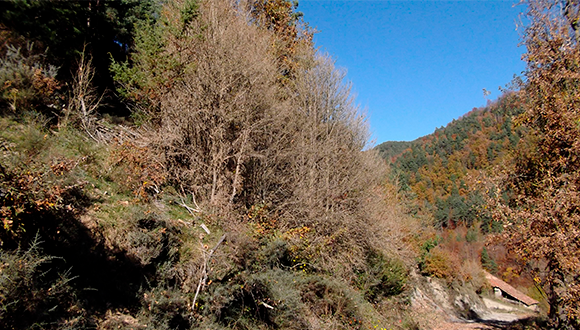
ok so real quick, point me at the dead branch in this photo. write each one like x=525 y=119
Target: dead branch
x=206 y=261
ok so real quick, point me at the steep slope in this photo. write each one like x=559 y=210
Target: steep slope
x=445 y=178
x=237 y=196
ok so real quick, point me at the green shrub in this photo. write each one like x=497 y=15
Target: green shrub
x=31 y=292
x=332 y=301
x=384 y=276
x=240 y=301
x=487 y=262
x=472 y=234
x=275 y=254
x=283 y=294
x=282 y=299
x=166 y=307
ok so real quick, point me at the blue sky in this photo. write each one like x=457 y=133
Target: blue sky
x=417 y=65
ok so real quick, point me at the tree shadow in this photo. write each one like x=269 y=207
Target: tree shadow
x=97 y=278
x=532 y=322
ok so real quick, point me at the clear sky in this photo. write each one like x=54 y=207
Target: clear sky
x=417 y=65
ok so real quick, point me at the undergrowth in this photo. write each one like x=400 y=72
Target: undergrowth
x=92 y=249
x=231 y=207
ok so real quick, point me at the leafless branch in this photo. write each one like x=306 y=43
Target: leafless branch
x=206 y=260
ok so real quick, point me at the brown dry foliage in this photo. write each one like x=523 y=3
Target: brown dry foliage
x=225 y=134
x=136 y=169
x=293 y=35
x=212 y=119
x=31 y=191
x=25 y=81
x=543 y=219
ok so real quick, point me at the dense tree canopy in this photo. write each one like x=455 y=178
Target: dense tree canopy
x=101 y=29
x=440 y=172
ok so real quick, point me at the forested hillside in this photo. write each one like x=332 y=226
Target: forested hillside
x=516 y=176
x=391 y=149
x=445 y=178
x=441 y=173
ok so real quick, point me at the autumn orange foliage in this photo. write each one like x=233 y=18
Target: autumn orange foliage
x=543 y=219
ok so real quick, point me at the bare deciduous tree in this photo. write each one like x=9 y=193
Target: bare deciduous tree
x=236 y=137
x=217 y=104
x=84 y=100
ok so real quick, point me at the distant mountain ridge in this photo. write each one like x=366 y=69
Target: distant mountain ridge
x=439 y=172
x=391 y=149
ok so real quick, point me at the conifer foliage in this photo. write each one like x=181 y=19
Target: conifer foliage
x=440 y=173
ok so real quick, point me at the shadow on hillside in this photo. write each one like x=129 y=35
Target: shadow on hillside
x=104 y=279
x=532 y=322
x=98 y=279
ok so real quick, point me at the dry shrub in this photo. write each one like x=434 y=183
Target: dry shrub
x=118 y=321
x=225 y=135
x=462 y=249
x=392 y=230
x=37 y=191
x=472 y=272
x=84 y=100
x=439 y=263
x=332 y=185
x=213 y=117
x=136 y=168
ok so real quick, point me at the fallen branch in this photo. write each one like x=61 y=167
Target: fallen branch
x=266 y=305
x=189 y=209
x=203 y=278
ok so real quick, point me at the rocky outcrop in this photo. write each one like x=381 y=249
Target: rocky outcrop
x=460 y=304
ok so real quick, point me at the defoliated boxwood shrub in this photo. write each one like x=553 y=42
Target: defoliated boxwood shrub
x=437 y=263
